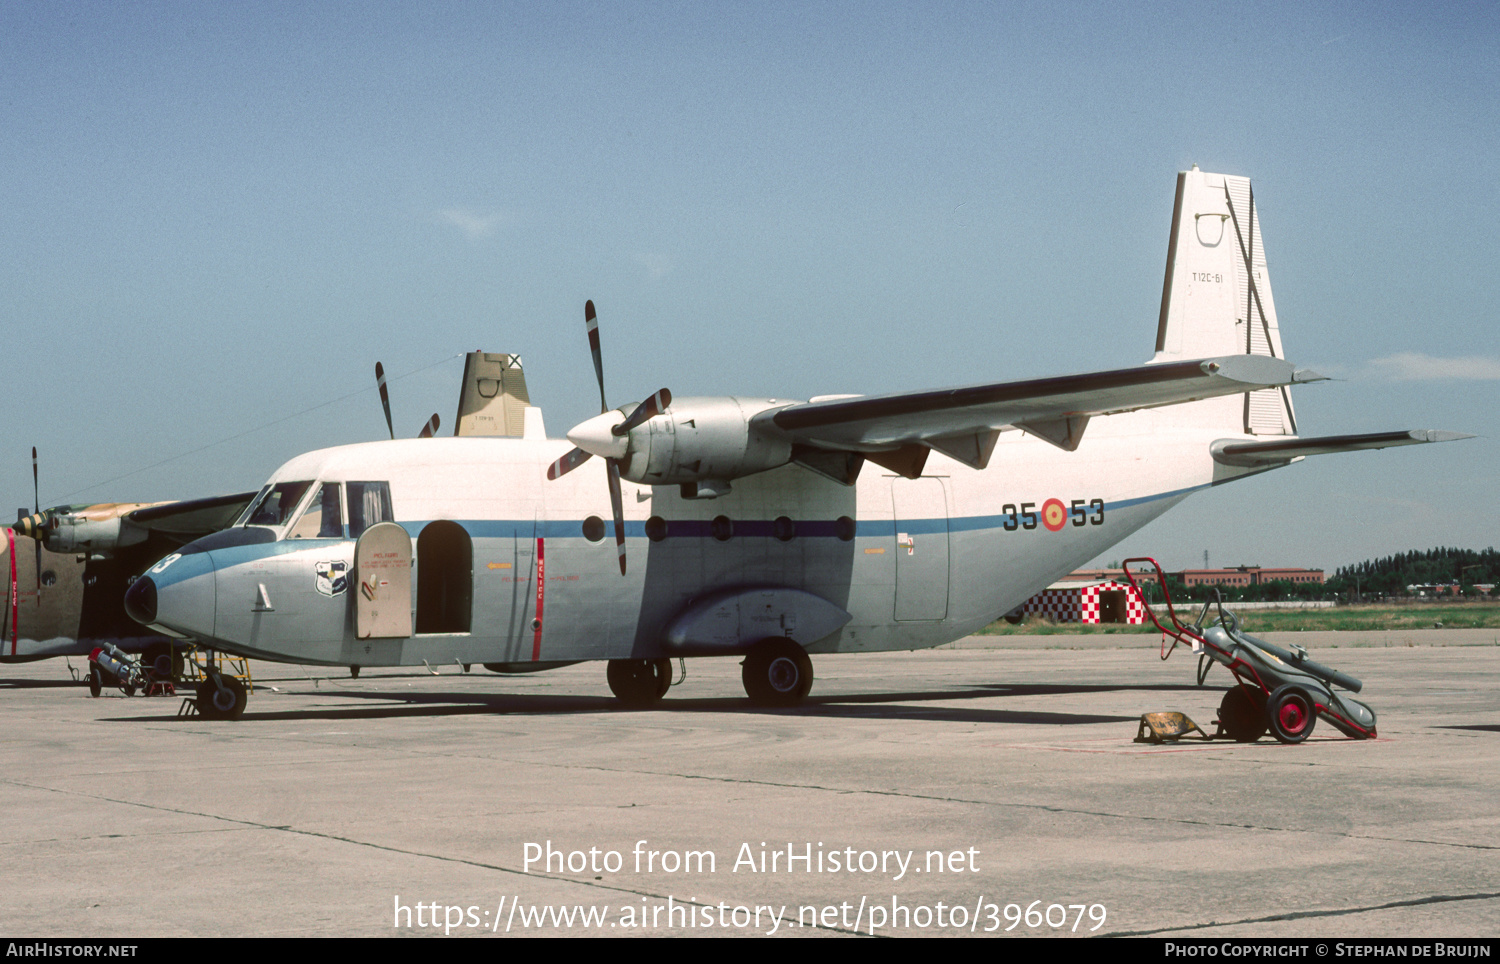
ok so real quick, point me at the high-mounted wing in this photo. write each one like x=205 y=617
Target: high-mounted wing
x=702 y=444
x=190 y=519
x=1056 y=409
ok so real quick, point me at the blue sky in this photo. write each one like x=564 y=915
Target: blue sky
x=216 y=218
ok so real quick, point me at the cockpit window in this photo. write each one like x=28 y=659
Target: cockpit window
x=324 y=518
x=274 y=506
x=244 y=518
x=369 y=503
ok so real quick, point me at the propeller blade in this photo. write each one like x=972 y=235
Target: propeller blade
x=648 y=409
x=592 y=322
x=36 y=502
x=567 y=463
x=615 y=503
x=385 y=397
x=430 y=429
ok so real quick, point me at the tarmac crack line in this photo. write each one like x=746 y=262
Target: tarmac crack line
x=1306 y=914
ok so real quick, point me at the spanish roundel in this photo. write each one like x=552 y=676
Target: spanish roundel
x=1054 y=515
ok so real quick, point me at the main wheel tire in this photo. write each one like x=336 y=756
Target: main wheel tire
x=226 y=704
x=1242 y=714
x=639 y=682
x=96 y=681
x=777 y=672
x=1291 y=714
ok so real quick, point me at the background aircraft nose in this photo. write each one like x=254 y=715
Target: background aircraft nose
x=140 y=600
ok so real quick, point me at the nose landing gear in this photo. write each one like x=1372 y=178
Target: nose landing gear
x=221 y=698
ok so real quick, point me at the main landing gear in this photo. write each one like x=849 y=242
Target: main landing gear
x=639 y=682
x=777 y=672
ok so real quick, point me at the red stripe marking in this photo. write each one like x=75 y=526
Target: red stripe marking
x=541 y=595
x=15 y=602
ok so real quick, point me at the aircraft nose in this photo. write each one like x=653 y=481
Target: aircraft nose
x=176 y=596
x=140 y=600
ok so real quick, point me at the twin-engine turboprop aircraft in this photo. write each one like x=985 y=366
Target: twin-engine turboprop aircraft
x=759 y=528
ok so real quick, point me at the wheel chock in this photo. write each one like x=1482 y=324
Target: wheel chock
x=1166 y=727
x=189 y=707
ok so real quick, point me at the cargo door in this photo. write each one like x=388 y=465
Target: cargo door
x=382 y=566
x=921 y=511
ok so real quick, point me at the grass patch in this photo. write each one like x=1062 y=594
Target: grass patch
x=1351 y=619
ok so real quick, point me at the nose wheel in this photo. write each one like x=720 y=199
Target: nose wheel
x=221 y=702
x=777 y=672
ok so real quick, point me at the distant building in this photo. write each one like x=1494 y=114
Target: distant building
x=1435 y=589
x=1247 y=576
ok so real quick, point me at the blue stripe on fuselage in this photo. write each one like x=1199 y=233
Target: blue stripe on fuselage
x=676 y=528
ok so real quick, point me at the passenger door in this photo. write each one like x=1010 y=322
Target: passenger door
x=382 y=570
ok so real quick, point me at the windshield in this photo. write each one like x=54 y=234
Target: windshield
x=275 y=504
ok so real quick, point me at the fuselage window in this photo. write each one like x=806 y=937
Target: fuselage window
x=593 y=528
x=276 y=504
x=369 y=503
x=324 y=518
x=656 y=528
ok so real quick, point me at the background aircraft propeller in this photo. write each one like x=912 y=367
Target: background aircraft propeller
x=36 y=506
x=591 y=438
x=385 y=398
x=428 y=430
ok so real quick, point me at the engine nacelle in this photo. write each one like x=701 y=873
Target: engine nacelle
x=85 y=528
x=704 y=440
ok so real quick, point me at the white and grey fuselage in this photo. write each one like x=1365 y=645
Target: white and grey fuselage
x=900 y=563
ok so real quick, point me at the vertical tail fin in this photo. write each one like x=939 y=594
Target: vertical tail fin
x=493 y=399
x=1216 y=299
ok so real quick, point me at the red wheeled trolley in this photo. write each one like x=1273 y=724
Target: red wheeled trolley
x=1276 y=689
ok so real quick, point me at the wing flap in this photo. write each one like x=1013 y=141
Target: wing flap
x=1279 y=452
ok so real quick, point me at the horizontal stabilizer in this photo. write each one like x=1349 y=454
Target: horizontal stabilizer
x=1254 y=454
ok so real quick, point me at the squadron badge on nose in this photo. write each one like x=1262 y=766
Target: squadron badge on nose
x=333 y=578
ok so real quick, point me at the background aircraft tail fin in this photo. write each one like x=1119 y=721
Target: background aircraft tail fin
x=493 y=399
x=1216 y=299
